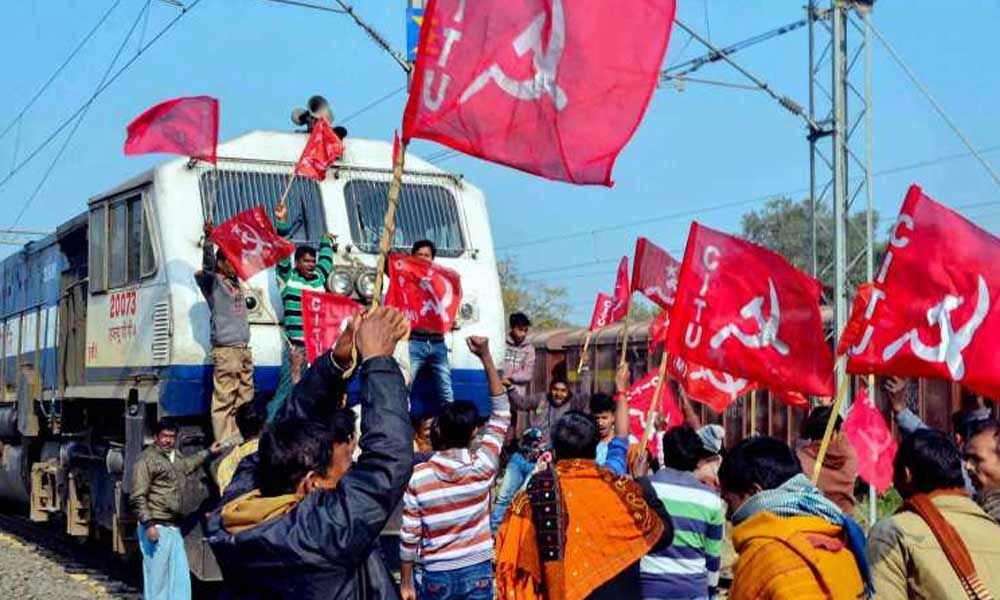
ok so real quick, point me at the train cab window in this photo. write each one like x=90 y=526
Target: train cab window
x=121 y=249
x=225 y=193
x=425 y=212
x=98 y=233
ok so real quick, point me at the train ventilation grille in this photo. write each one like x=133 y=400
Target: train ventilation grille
x=161 y=333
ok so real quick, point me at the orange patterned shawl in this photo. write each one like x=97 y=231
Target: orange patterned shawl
x=609 y=528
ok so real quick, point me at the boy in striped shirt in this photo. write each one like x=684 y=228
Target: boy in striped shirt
x=688 y=569
x=309 y=272
x=446 y=507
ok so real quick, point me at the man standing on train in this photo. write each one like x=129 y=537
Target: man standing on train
x=427 y=348
x=232 y=379
x=310 y=272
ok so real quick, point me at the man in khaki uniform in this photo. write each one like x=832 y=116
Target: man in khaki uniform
x=906 y=557
x=233 y=374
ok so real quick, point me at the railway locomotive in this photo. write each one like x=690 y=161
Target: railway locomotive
x=105 y=330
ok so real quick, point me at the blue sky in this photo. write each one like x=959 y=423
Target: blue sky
x=696 y=148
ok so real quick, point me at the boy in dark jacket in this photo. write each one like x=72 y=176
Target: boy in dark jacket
x=300 y=526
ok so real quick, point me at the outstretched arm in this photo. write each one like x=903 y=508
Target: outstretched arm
x=488 y=456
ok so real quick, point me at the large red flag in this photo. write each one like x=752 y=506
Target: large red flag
x=932 y=311
x=427 y=293
x=250 y=243
x=186 y=126
x=551 y=87
x=744 y=310
x=866 y=430
x=324 y=317
x=640 y=397
x=323 y=148
x=709 y=386
x=655 y=273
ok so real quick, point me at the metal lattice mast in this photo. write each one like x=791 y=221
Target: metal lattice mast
x=840 y=169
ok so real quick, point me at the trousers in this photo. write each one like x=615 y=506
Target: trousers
x=165 y=573
x=232 y=382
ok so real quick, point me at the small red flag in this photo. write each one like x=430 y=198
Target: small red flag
x=743 y=309
x=186 y=126
x=866 y=430
x=250 y=243
x=551 y=87
x=427 y=293
x=655 y=273
x=324 y=317
x=658 y=329
x=397 y=149
x=623 y=292
x=323 y=148
x=640 y=397
x=933 y=309
x=709 y=386
x=602 y=311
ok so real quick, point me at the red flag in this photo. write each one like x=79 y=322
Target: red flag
x=324 y=317
x=658 y=329
x=793 y=399
x=551 y=87
x=640 y=396
x=397 y=149
x=250 y=243
x=427 y=293
x=186 y=126
x=655 y=273
x=866 y=430
x=744 y=310
x=933 y=309
x=711 y=387
x=323 y=148
x=602 y=312
x=623 y=292
x=855 y=327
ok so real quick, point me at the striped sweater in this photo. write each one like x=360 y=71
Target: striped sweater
x=446 y=506
x=689 y=567
x=291 y=283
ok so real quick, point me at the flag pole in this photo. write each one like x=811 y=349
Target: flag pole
x=831 y=422
x=753 y=412
x=288 y=188
x=872 y=493
x=583 y=353
x=389 y=228
x=652 y=411
x=628 y=323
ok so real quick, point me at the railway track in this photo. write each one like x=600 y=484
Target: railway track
x=95 y=567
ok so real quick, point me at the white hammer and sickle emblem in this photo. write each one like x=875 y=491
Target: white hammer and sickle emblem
x=435 y=304
x=768 y=334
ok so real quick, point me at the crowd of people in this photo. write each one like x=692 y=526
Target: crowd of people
x=547 y=497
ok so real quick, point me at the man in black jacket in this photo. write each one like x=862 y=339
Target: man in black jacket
x=299 y=526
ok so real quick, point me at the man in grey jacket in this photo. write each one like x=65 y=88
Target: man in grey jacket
x=232 y=378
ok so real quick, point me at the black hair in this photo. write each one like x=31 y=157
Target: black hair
x=342 y=423
x=250 y=420
x=165 y=424
x=601 y=403
x=559 y=380
x=518 y=319
x=683 y=449
x=933 y=460
x=220 y=255
x=575 y=435
x=424 y=244
x=758 y=461
x=987 y=426
x=289 y=450
x=963 y=422
x=303 y=251
x=815 y=425
x=455 y=426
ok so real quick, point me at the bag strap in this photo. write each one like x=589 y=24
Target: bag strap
x=952 y=545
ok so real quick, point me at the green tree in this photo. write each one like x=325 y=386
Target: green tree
x=784 y=226
x=546 y=305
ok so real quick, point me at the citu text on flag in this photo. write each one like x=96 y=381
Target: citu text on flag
x=324 y=317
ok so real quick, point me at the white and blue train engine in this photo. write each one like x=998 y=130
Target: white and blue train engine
x=105 y=329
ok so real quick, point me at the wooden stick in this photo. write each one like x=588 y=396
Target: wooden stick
x=583 y=353
x=389 y=228
x=628 y=323
x=288 y=188
x=753 y=412
x=653 y=411
x=828 y=434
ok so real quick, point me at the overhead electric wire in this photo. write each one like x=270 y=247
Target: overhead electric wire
x=371 y=105
x=377 y=37
x=691 y=65
x=59 y=70
x=310 y=5
x=111 y=80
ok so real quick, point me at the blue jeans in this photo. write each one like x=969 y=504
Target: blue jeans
x=164 y=565
x=433 y=355
x=468 y=583
x=293 y=365
x=515 y=477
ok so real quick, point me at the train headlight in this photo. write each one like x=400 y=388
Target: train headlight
x=340 y=282
x=366 y=285
x=252 y=302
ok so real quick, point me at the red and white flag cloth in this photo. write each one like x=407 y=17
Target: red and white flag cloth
x=250 y=242
x=744 y=310
x=185 y=126
x=866 y=430
x=601 y=316
x=640 y=397
x=551 y=87
x=322 y=149
x=324 y=317
x=658 y=329
x=426 y=292
x=709 y=386
x=933 y=309
x=623 y=292
x=655 y=273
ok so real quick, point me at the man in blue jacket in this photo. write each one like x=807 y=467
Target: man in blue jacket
x=298 y=520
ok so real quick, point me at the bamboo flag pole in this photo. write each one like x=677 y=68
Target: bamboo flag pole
x=288 y=188
x=828 y=434
x=389 y=228
x=583 y=353
x=652 y=411
x=753 y=412
x=628 y=323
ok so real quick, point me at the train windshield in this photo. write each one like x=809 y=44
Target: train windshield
x=426 y=212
